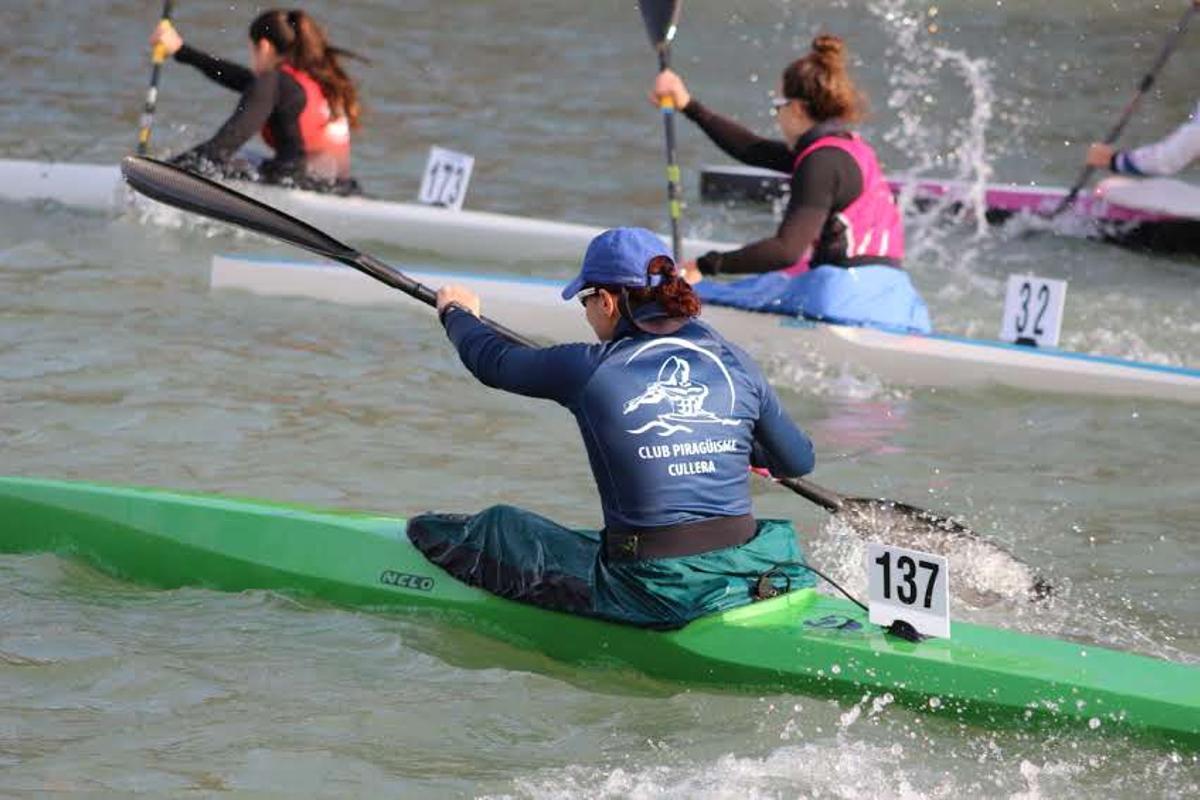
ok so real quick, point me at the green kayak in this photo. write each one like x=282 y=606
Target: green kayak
x=803 y=642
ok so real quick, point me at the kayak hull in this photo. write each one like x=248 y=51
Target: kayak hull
x=533 y=306
x=802 y=642
x=473 y=235
x=1159 y=215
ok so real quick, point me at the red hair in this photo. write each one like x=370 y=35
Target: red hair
x=672 y=292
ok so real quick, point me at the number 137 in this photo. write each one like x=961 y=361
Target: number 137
x=906 y=588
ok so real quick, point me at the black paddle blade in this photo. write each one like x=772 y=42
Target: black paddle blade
x=983 y=571
x=184 y=190
x=661 y=18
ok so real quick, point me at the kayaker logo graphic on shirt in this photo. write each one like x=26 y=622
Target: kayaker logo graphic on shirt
x=678 y=397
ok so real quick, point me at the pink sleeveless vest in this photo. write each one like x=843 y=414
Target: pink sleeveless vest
x=872 y=223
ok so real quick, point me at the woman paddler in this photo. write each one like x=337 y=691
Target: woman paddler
x=672 y=416
x=838 y=253
x=295 y=94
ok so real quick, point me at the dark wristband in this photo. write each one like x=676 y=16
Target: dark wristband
x=446 y=309
x=709 y=263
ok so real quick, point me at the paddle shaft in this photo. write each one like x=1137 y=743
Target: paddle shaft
x=674 y=194
x=661 y=18
x=1114 y=133
x=829 y=500
x=385 y=273
x=157 y=57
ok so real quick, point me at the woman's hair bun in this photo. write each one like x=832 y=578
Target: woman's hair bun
x=829 y=47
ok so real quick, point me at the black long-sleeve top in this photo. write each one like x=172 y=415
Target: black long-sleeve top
x=827 y=181
x=273 y=99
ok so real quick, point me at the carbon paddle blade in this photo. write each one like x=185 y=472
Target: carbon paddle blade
x=661 y=18
x=983 y=572
x=189 y=192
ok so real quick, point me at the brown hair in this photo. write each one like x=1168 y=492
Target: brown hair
x=673 y=292
x=301 y=42
x=820 y=81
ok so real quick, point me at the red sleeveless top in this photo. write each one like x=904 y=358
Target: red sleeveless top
x=326 y=138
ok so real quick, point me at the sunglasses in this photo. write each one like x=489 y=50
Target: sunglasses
x=778 y=103
x=587 y=294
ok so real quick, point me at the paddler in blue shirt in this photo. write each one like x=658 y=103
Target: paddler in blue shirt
x=673 y=416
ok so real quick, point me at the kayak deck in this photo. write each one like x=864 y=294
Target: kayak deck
x=534 y=306
x=801 y=642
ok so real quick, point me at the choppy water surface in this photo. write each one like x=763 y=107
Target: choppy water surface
x=118 y=364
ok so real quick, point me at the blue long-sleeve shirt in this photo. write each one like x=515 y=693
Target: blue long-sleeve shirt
x=671 y=423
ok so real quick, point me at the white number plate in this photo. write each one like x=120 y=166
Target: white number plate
x=908 y=585
x=1033 y=309
x=447 y=174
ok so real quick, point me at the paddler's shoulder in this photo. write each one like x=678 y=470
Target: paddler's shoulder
x=695 y=332
x=712 y=339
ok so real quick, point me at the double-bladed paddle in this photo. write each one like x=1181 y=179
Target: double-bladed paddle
x=1114 y=133
x=662 y=18
x=157 y=56
x=176 y=187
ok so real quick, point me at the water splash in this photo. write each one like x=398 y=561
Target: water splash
x=922 y=74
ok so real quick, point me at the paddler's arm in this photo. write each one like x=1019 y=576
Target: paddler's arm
x=1165 y=157
x=779 y=444
x=826 y=182
x=253 y=110
x=740 y=142
x=228 y=74
x=556 y=373
x=736 y=140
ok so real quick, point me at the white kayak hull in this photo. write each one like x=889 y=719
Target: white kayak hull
x=466 y=235
x=1166 y=196
x=533 y=306
x=1151 y=214
x=1116 y=199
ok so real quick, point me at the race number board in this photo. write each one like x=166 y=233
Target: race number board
x=908 y=585
x=1033 y=309
x=447 y=174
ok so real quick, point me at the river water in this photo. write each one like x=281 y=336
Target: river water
x=118 y=364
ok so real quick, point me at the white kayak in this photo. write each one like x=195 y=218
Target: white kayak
x=533 y=306
x=1166 y=196
x=1153 y=214
x=466 y=235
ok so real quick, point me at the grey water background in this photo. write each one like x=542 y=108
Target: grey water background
x=117 y=363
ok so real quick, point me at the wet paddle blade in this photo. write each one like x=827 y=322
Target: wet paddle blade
x=184 y=190
x=984 y=572
x=661 y=18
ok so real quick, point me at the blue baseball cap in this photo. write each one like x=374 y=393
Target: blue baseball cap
x=619 y=257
